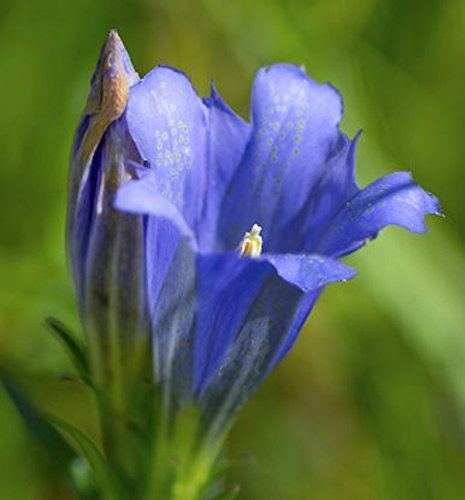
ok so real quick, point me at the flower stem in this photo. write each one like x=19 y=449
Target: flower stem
x=181 y=467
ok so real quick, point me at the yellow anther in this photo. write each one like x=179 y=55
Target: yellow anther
x=251 y=244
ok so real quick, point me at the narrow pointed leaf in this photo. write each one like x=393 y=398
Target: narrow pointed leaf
x=103 y=474
x=75 y=349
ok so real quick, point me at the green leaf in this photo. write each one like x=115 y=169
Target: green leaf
x=108 y=482
x=75 y=349
x=60 y=452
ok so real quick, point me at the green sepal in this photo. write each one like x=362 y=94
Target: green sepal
x=75 y=349
x=107 y=481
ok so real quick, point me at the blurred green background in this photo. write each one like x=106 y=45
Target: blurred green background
x=371 y=402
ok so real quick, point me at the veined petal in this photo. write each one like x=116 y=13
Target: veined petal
x=167 y=120
x=172 y=275
x=310 y=272
x=170 y=248
x=227 y=288
x=295 y=133
x=244 y=311
x=228 y=135
x=246 y=314
x=327 y=195
x=141 y=196
x=393 y=199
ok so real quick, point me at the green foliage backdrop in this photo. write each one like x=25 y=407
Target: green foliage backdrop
x=371 y=402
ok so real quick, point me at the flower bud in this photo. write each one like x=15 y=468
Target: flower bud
x=106 y=247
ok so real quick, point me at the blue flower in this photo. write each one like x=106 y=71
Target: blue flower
x=245 y=224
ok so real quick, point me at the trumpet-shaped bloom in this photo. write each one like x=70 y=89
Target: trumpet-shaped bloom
x=221 y=321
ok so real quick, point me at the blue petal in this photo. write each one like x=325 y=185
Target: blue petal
x=246 y=319
x=329 y=192
x=324 y=271
x=141 y=196
x=295 y=133
x=170 y=250
x=393 y=199
x=228 y=135
x=244 y=311
x=227 y=289
x=171 y=279
x=171 y=283
x=167 y=120
x=309 y=272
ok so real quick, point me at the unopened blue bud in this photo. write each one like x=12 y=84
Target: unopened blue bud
x=106 y=247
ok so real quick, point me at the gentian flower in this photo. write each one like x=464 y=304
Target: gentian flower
x=212 y=237
x=245 y=226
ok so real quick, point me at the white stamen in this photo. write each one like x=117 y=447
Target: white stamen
x=251 y=244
